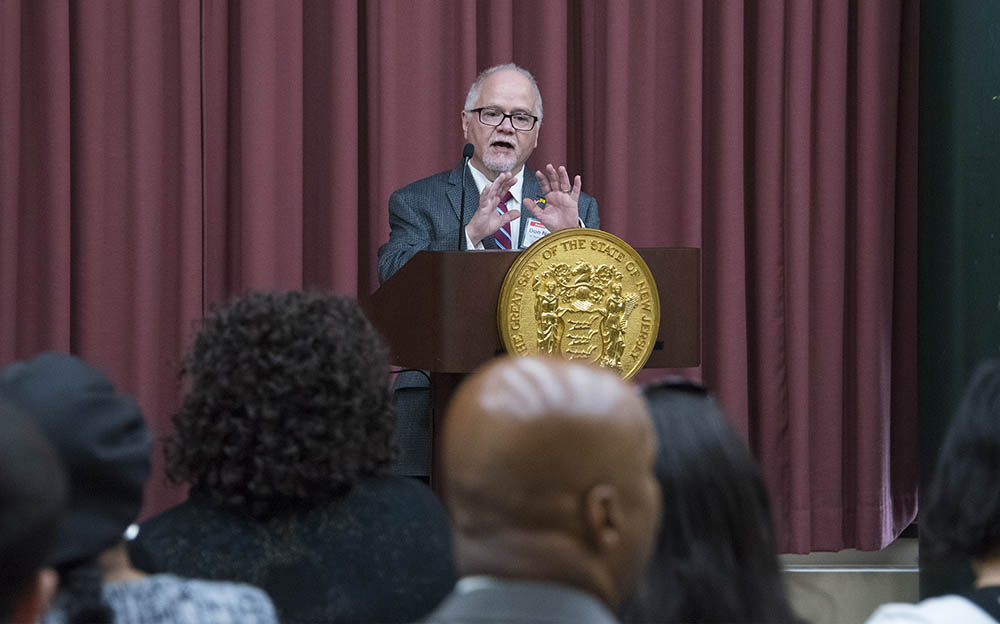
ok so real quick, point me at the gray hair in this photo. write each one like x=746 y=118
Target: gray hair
x=470 y=99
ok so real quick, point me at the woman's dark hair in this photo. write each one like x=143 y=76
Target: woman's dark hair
x=716 y=554
x=961 y=516
x=32 y=502
x=289 y=404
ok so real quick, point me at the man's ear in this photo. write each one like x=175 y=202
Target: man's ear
x=38 y=597
x=465 y=125
x=603 y=517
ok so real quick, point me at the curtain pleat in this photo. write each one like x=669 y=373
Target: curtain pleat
x=34 y=178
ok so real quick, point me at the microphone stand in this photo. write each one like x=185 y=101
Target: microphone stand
x=467 y=153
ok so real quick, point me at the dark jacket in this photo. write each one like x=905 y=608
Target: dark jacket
x=380 y=553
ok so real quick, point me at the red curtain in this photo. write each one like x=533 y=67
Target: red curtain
x=157 y=157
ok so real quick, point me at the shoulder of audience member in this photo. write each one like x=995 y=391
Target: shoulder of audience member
x=939 y=610
x=183 y=599
x=399 y=500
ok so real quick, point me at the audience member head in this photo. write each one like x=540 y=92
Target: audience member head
x=289 y=404
x=548 y=476
x=32 y=496
x=961 y=516
x=716 y=555
x=101 y=438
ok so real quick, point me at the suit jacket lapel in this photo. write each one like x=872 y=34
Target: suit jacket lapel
x=529 y=190
x=454 y=195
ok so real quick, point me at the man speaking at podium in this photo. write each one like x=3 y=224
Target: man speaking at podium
x=501 y=121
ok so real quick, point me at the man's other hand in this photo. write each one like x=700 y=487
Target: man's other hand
x=487 y=220
x=561 y=208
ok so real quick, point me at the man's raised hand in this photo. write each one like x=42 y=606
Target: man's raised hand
x=561 y=208
x=487 y=220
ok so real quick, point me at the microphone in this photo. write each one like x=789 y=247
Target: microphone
x=467 y=153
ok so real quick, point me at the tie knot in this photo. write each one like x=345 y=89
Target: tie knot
x=506 y=197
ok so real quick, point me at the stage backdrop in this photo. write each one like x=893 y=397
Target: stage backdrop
x=157 y=157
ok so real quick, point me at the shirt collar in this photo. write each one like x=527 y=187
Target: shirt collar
x=481 y=181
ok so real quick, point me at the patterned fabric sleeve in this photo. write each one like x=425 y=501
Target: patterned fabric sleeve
x=164 y=598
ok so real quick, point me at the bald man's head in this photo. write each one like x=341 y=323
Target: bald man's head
x=548 y=475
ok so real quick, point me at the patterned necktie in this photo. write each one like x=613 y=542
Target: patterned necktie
x=502 y=236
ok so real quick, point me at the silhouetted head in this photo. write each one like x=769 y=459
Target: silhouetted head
x=961 y=515
x=102 y=441
x=548 y=475
x=32 y=496
x=716 y=555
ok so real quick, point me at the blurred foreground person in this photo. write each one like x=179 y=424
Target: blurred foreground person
x=960 y=515
x=32 y=495
x=716 y=554
x=285 y=440
x=548 y=477
x=102 y=441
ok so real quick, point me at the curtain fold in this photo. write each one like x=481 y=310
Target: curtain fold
x=253 y=140
x=334 y=239
x=34 y=177
x=100 y=191
x=157 y=158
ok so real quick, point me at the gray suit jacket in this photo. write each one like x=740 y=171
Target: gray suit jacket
x=520 y=602
x=424 y=215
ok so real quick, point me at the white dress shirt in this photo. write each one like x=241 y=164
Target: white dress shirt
x=515 y=202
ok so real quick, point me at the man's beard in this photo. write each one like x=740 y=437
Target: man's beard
x=500 y=164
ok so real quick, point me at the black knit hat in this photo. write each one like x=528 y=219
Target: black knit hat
x=101 y=438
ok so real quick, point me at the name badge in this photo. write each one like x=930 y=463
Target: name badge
x=533 y=231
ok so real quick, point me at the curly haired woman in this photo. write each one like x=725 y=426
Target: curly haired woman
x=285 y=441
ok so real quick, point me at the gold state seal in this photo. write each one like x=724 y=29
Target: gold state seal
x=581 y=294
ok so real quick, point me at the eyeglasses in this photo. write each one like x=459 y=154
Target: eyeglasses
x=495 y=117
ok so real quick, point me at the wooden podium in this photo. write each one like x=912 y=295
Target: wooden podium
x=439 y=313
